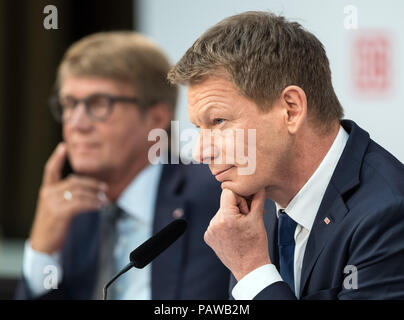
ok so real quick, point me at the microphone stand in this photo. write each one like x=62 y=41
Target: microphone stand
x=129 y=266
x=150 y=249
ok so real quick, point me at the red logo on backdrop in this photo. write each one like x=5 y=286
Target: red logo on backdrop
x=372 y=63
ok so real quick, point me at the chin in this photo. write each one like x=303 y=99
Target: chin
x=86 y=168
x=240 y=187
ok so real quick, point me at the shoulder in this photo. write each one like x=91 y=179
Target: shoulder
x=381 y=168
x=385 y=166
x=376 y=204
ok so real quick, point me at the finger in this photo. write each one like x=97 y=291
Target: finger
x=228 y=199
x=82 y=202
x=231 y=200
x=54 y=165
x=82 y=195
x=258 y=202
x=75 y=182
x=85 y=205
x=206 y=237
x=242 y=204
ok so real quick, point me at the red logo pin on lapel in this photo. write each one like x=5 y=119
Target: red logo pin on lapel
x=178 y=213
x=326 y=220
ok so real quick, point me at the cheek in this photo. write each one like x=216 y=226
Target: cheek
x=236 y=147
x=67 y=135
x=247 y=148
x=128 y=139
x=272 y=155
x=66 y=132
x=124 y=125
x=228 y=147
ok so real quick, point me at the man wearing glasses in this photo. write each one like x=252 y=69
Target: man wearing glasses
x=111 y=92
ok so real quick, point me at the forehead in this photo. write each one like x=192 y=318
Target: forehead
x=212 y=87
x=219 y=96
x=213 y=91
x=84 y=85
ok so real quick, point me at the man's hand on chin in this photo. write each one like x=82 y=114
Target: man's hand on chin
x=237 y=233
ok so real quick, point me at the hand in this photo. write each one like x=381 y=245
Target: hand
x=237 y=233
x=54 y=213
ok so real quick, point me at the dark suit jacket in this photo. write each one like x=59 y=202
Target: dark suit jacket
x=188 y=269
x=365 y=204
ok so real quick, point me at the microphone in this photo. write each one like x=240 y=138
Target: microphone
x=150 y=249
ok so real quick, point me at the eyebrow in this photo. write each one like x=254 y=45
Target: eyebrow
x=214 y=106
x=68 y=94
x=203 y=110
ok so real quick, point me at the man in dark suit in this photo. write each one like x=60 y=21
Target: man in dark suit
x=112 y=93
x=336 y=226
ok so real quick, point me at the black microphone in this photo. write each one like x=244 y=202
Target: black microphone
x=150 y=249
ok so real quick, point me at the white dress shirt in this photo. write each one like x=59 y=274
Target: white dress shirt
x=138 y=202
x=303 y=210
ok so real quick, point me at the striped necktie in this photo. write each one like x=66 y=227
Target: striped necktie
x=109 y=216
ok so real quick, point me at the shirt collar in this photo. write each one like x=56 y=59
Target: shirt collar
x=305 y=204
x=139 y=196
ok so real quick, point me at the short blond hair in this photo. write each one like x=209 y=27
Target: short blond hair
x=263 y=53
x=122 y=56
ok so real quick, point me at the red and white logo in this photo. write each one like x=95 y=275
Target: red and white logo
x=372 y=63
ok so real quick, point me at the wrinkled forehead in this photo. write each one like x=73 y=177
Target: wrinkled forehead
x=213 y=89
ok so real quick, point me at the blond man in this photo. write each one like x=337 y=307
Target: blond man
x=337 y=230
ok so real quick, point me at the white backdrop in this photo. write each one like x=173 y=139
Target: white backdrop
x=366 y=61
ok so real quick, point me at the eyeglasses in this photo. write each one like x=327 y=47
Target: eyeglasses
x=98 y=106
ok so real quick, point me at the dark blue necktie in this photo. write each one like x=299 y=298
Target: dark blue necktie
x=286 y=247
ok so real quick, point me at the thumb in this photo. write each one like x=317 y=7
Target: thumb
x=258 y=202
x=54 y=166
x=228 y=199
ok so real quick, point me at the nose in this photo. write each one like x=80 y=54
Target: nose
x=79 y=119
x=205 y=150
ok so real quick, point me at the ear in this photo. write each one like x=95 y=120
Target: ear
x=158 y=116
x=294 y=101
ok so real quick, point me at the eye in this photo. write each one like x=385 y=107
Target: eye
x=218 y=120
x=67 y=103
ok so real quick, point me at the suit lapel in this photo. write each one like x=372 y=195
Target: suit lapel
x=346 y=176
x=170 y=205
x=80 y=256
x=332 y=211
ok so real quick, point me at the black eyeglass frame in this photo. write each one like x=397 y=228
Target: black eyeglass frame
x=57 y=109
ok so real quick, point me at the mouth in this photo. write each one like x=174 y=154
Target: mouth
x=219 y=175
x=83 y=147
